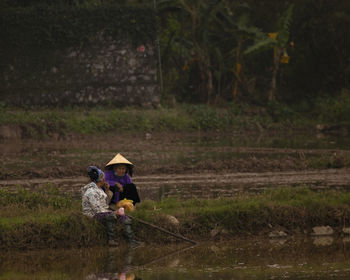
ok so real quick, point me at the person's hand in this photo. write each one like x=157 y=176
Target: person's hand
x=120 y=211
x=119 y=186
x=106 y=186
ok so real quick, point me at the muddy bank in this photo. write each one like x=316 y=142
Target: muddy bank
x=181 y=165
x=49 y=220
x=174 y=153
x=199 y=185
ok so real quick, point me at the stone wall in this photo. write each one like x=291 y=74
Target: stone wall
x=102 y=71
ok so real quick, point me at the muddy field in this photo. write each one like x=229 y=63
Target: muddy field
x=178 y=164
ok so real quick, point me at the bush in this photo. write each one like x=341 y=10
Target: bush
x=334 y=110
x=25 y=199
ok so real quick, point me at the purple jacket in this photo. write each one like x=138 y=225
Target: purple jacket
x=111 y=179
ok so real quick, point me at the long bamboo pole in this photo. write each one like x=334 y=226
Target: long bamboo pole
x=163 y=230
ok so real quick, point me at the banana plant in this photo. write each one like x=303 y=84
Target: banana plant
x=278 y=41
x=213 y=36
x=199 y=17
x=241 y=30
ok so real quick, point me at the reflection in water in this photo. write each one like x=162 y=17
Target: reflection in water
x=111 y=269
x=238 y=259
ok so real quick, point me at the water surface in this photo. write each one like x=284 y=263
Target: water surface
x=251 y=258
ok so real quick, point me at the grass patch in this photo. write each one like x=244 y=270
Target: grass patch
x=289 y=207
x=334 y=110
x=39 y=223
x=43 y=122
x=31 y=220
x=336 y=160
x=38 y=122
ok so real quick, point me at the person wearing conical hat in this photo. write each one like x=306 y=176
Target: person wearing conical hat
x=95 y=205
x=117 y=174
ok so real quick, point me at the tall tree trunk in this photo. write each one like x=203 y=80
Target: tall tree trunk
x=206 y=83
x=209 y=86
x=238 y=69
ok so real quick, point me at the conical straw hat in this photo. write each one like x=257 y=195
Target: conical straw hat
x=119 y=159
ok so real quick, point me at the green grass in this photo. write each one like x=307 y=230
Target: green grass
x=334 y=110
x=288 y=207
x=329 y=161
x=41 y=122
x=37 y=220
x=45 y=219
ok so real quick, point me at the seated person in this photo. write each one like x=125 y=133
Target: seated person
x=117 y=175
x=95 y=205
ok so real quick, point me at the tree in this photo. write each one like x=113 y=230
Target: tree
x=198 y=17
x=209 y=40
x=278 y=41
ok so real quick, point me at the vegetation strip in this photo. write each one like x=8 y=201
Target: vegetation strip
x=48 y=219
x=41 y=122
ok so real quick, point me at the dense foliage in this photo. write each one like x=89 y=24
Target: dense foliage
x=205 y=43
x=211 y=51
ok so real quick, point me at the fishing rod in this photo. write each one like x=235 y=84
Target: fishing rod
x=163 y=230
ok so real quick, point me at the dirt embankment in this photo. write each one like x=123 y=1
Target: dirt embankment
x=202 y=184
x=168 y=164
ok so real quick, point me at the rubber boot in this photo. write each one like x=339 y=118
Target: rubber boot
x=110 y=223
x=129 y=234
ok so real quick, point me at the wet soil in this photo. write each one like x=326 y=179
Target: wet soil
x=204 y=185
x=213 y=164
